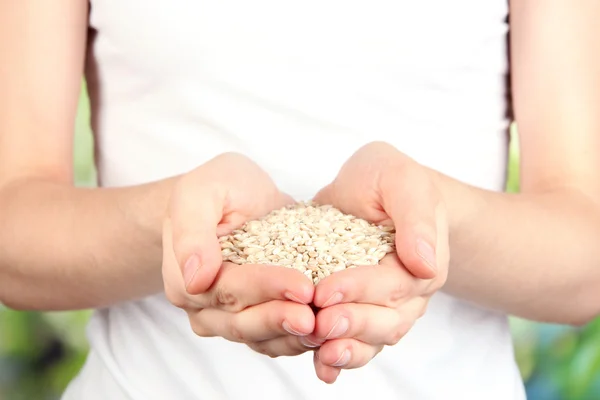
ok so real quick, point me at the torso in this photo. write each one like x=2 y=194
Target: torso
x=297 y=87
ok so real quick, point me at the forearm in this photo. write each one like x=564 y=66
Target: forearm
x=536 y=256
x=73 y=248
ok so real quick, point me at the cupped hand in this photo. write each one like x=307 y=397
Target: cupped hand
x=366 y=308
x=362 y=310
x=265 y=307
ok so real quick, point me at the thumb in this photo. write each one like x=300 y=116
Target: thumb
x=325 y=195
x=195 y=242
x=419 y=218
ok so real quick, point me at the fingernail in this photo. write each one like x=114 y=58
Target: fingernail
x=340 y=327
x=427 y=253
x=343 y=360
x=292 y=297
x=190 y=269
x=334 y=299
x=288 y=328
x=307 y=342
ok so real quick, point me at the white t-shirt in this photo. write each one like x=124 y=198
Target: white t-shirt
x=298 y=87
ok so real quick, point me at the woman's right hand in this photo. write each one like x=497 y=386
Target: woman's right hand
x=265 y=307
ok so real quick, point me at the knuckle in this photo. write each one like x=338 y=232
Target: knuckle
x=396 y=296
x=224 y=299
x=394 y=338
x=263 y=348
x=235 y=332
x=399 y=294
x=397 y=334
x=199 y=328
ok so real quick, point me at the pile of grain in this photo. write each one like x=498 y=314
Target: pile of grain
x=317 y=240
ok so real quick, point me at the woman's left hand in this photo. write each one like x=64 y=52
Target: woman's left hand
x=366 y=308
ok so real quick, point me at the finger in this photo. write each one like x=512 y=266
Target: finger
x=388 y=284
x=287 y=345
x=324 y=372
x=255 y=324
x=196 y=210
x=419 y=217
x=374 y=325
x=237 y=287
x=347 y=353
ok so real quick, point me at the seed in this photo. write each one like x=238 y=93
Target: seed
x=252 y=249
x=316 y=240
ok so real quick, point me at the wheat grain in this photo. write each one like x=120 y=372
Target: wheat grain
x=316 y=240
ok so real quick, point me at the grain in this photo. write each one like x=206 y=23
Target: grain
x=316 y=240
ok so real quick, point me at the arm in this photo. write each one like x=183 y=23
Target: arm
x=62 y=247
x=536 y=254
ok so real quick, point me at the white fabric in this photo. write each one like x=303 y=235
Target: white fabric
x=298 y=87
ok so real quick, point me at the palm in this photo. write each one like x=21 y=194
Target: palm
x=250 y=194
x=357 y=189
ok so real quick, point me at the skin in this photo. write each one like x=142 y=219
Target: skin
x=261 y=306
x=63 y=253
x=364 y=309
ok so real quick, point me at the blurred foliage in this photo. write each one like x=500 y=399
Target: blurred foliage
x=41 y=352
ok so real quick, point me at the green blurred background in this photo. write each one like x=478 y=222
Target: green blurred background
x=41 y=352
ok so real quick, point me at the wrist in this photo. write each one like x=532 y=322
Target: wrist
x=149 y=208
x=462 y=202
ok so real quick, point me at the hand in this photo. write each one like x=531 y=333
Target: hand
x=262 y=306
x=365 y=308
